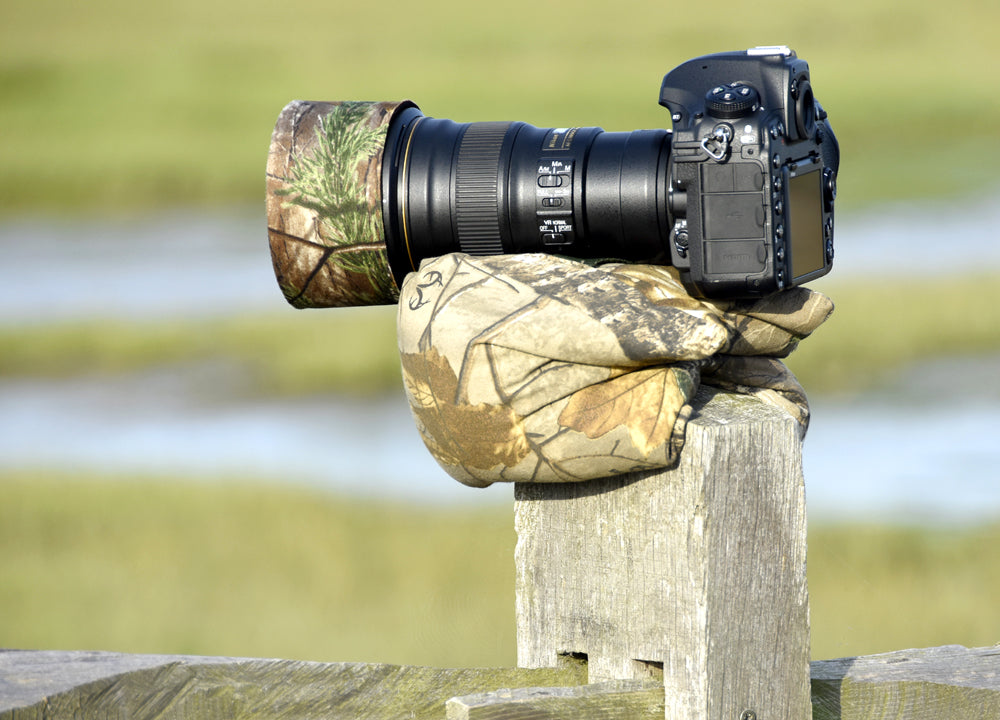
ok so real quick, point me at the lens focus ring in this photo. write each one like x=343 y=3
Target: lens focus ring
x=477 y=209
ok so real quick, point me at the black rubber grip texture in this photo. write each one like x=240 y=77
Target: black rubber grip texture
x=477 y=201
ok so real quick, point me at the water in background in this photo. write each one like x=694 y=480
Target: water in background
x=893 y=454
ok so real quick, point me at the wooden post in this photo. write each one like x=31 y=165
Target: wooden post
x=696 y=574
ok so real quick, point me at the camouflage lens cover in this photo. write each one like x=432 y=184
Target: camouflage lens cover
x=324 y=213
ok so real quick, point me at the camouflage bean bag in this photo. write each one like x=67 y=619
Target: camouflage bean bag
x=537 y=368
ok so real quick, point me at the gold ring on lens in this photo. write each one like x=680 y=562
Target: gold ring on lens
x=403 y=195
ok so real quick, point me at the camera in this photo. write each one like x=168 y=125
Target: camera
x=752 y=173
x=739 y=195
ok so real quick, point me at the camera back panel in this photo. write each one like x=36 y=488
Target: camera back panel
x=751 y=187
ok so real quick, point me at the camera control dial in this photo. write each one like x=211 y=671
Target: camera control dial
x=731 y=101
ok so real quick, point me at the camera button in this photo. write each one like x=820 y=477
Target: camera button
x=550 y=180
x=829 y=188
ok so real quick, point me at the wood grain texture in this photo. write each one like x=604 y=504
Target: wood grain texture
x=944 y=683
x=55 y=685
x=697 y=572
x=617 y=700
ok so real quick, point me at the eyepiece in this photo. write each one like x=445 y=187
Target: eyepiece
x=805 y=110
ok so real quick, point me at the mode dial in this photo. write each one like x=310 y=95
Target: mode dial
x=731 y=101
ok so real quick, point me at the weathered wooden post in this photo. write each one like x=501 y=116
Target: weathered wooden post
x=696 y=574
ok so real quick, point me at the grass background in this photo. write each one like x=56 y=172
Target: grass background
x=116 y=107
x=223 y=568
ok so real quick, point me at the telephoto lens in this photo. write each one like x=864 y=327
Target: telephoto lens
x=492 y=188
x=360 y=193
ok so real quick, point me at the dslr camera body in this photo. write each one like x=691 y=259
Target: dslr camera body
x=739 y=196
x=753 y=173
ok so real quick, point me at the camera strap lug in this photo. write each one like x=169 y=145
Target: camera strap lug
x=716 y=145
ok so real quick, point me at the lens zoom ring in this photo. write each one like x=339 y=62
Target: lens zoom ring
x=477 y=202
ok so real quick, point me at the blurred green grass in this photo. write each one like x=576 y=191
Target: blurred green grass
x=115 y=106
x=879 y=328
x=226 y=568
x=290 y=353
x=237 y=568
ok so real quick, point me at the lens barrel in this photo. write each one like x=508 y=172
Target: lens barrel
x=360 y=193
x=489 y=188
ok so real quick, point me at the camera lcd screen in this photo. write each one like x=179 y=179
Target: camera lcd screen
x=805 y=224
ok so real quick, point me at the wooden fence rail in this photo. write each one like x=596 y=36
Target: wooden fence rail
x=948 y=683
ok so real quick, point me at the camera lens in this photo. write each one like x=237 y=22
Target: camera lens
x=490 y=188
x=360 y=193
x=805 y=110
